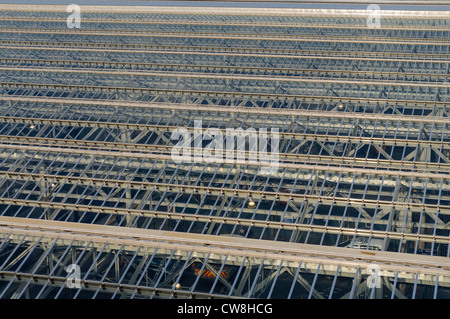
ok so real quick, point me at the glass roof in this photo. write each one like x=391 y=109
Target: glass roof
x=355 y=119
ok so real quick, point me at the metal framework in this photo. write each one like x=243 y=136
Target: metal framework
x=87 y=176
